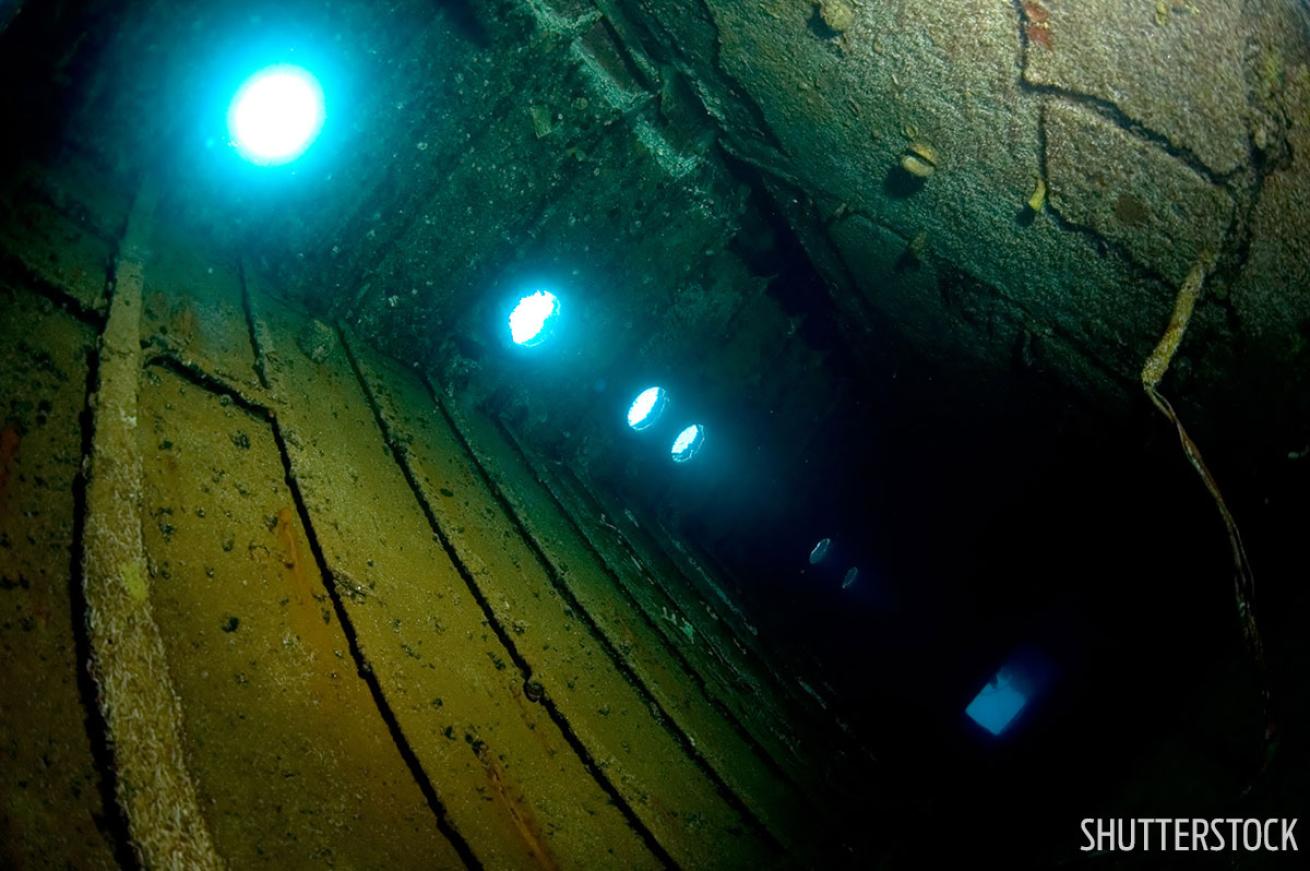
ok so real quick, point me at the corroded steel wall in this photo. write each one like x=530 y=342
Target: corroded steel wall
x=363 y=623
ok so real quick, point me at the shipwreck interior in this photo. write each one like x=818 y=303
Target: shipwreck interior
x=638 y=433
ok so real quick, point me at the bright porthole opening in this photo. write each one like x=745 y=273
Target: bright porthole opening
x=647 y=408
x=688 y=443
x=997 y=703
x=276 y=115
x=532 y=318
x=820 y=551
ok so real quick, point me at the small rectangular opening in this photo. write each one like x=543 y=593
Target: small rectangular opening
x=997 y=703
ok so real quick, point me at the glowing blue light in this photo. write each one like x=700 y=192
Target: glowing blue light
x=688 y=443
x=848 y=580
x=997 y=703
x=276 y=114
x=820 y=551
x=647 y=407
x=529 y=320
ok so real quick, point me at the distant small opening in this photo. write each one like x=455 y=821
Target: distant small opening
x=820 y=551
x=852 y=575
x=997 y=703
x=532 y=318
x=688 y=443
x=647 y=408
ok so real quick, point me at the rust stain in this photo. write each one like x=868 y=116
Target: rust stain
x=1037 y=24
x=291 y=556
x=307 y=609
x=518 y=810
x=9 y=442
x=184 y=323
x=1036 y=12
x=41 y=611
x=1038 y=34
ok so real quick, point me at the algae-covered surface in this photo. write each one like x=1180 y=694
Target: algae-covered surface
x=292 y=760
x=631 y=710
x=52 y=809
x=302 y=564
x=338 y=636
x=508 y=778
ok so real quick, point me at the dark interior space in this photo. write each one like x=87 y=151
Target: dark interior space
x=908 y=268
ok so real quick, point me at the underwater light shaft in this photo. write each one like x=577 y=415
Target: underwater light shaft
x=531 y=317
x=647 y=408
x=276 y=115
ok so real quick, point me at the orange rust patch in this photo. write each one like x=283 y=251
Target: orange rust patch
x=1037 y=24
x=309 y=614
x=291 y=558
x=518 y=809
x=1038 y=34
x=1036 y=13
